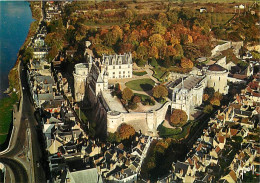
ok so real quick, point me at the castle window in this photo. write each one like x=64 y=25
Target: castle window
x=113 y=73
x=123 y=72
x=119 y=72
x=122 y=119
x=114 y=67
x=128 y=66
x=129 y=76
x=119 y=67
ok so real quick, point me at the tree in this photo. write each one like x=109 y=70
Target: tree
x=170 y=51
x=160 y=91
x=215 y=101
x=157 y=40
x=28 y=54
x=186 y=63
x=208 y=109
x=136 y=99
x=141 y=51
x=129 y=15
x=159 y=28
x=113 y=137
x=178 y=117
x=218 y=95
x=126 y=131
x=210 y=91
x=153 y=52
x=127 y=94
x=205 y=97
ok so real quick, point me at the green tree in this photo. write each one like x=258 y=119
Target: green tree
x=27 y=55
x=157 y=40
x=142 y=51
x=127 y=94
x=208 y=109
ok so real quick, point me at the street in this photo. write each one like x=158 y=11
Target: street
x=23 y=170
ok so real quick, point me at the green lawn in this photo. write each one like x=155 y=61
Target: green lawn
x=141 y=73
x=82 y=116
x=6 y=108
x=140 y=84
x=166 y=132
x=159 y=72
x=176 y=134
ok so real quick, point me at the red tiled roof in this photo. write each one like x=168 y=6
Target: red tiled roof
x=199 y=147
x=190 y=161
x=233 y=175
x=217 y=149
x=233 y=131
x=221 y=139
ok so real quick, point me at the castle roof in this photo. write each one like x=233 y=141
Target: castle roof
x=216 y=67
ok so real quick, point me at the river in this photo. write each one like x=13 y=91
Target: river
x=15 y=20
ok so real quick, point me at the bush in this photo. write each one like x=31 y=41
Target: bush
x=140 y=73
x=132 y=105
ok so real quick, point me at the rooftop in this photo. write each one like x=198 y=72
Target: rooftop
x=189 y=82
x=113 y=102
x=216 y=67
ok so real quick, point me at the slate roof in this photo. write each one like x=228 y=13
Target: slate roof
x=216 y=67
x=88 y=175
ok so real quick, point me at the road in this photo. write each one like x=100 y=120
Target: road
x=26 y=142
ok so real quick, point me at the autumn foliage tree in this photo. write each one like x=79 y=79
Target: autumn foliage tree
x=127 y=94
x=126 y=131
x=136 y=99
x=178 y=117
x=186 y=63
x=160 y=91
x=215 y=101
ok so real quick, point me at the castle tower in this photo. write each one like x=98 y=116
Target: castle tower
x=80 y=76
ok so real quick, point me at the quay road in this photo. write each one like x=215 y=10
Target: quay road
x=25 y=149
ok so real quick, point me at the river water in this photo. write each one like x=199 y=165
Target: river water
x=15 y=20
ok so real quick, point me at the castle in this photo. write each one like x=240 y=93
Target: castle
x=91 y=80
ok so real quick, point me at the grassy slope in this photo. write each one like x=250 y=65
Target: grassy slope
x=6 y=107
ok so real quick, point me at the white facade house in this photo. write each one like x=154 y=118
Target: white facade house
x=118 y=66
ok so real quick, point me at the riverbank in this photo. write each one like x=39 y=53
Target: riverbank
x=6 y=104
